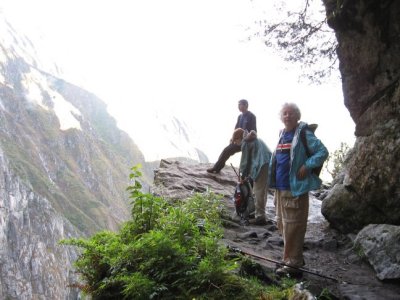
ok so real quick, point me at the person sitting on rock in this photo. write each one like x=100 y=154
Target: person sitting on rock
x=254 y=163
x=292 y=178
x=247 y=121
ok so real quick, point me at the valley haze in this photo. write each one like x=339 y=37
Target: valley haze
x=171 y=73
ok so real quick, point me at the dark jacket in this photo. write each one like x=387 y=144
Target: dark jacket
x=246 y=121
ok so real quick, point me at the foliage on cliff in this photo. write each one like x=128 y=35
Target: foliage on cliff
x=300 y=34
x=336 y=160
x=166 y=251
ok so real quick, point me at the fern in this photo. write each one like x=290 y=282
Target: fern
x=166 y=251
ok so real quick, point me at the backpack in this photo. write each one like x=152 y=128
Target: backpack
x=311 y=127
x=244 y=200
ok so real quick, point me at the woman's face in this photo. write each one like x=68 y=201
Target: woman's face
x=289 y=118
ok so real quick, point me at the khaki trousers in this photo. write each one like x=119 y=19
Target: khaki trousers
x=292 y=214
x=260 y=191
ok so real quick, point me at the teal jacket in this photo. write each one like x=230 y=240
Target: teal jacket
x=255 y=154
x=298 y=157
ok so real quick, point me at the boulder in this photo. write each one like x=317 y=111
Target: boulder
x=380 y=243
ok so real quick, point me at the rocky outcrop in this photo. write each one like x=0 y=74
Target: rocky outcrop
x=178 y=180
x=33 y=265
x=368 y=50
x=380 y=244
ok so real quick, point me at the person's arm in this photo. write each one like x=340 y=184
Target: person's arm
x=318 y=152
x=252 y=123
x=244 y=161
x=237 y=122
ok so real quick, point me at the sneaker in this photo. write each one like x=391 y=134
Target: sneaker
x=259 y=221
x=286 y=270
x=212 y=170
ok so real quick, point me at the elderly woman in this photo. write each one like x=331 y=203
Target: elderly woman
x=292 y=178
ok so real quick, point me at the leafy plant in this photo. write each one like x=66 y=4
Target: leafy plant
x=325 y=295
x=300 y=33
x=282 y=291
x=335 y=161
x=166 y=251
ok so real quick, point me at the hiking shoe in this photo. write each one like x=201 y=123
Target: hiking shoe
x=286 y=270
x=259 y=221
x=212 y=170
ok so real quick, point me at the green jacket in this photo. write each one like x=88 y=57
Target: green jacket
x=255 y=154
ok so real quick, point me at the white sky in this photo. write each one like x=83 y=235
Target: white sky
x=187 y=57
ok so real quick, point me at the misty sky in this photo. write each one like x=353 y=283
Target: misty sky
x=188 y=58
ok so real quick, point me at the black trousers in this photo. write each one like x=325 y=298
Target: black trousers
x=224 y=156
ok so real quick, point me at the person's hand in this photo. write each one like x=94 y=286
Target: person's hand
x=237 y=142
x=302 y=173
x=241 y=180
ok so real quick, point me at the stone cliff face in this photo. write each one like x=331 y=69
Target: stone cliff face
x=32 y=263
x=64 y=170
x=77 y=159
x=368 y=191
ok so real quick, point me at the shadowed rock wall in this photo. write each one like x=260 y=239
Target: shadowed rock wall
x=368 y=34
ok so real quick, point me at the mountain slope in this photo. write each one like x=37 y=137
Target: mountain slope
x=66 y=147
x=65 y=168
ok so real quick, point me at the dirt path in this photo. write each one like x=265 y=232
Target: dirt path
x=326 y=252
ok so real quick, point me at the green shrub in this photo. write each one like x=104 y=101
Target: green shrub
x=166 y=251
x=335 y=161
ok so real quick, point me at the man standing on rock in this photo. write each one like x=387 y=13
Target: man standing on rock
x=247 y=121
x=292 y=178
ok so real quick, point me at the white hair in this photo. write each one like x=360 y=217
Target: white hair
x=294 y=107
